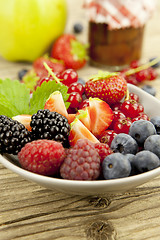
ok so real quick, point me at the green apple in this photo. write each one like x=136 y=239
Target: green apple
x=29 y=27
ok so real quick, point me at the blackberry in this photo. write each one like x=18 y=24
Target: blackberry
x=13 y=135
x=50 y=125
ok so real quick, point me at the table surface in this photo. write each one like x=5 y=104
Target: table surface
x=28 y=211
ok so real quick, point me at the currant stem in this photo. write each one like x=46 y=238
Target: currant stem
x=51 y=73
x=143 y=67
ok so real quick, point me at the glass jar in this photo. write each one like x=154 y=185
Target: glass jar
x=116 y=30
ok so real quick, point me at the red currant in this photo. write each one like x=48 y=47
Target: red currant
x=152 y=74
x=142 y=75
x=76 y=87
x=84 y=103
x=43 y=79
x=116 y=106
x=131 y=108
x=75 y=99
x=141 y=116
x=107 y=136
x=117 y=114
x=122 y=125
x=134 y=64
x=134 y=96
x=68 y=77
x=131 y=79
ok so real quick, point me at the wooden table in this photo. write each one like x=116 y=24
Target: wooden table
x=28 y=211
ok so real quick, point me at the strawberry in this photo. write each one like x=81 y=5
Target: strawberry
x=110 y=87
x=70 y=50
x=25 y=119
x=56 y=66
x=84 y=116
x=101 y=116
x=79 y=131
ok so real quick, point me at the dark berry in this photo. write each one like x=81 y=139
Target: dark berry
x=22 y=73
x=50 y=125
x=115 y=166
x=152 y=143
x=140 y=130
x=78 y=28
x=13 y=135
x=124 y=143
x=157 y=65
x=81 y=80
x=156 y=122
x=145 y=161
x=149 y=89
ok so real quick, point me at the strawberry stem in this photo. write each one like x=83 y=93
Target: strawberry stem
x=143 y=67
x=51 y=73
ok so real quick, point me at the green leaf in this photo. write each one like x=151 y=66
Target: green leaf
x=43 y=92
x=30 y=80
x=16 y=95
x=103 y=75
x=6 y=108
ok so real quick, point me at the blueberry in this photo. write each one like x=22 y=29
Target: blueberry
x=81 y=80
x=131 y=158
x=21 y=73
x=116 y=165
x=78 y=28
x=152 y=144
x=140 y=130
x=124 y=144
x=149 y=89
x=156 y=122
x=155 y=65
x=145 y=161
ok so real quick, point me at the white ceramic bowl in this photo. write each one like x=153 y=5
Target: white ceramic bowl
x=99 y=187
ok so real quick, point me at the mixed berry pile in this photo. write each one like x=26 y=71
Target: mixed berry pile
x=65 y=127
x=103 y=133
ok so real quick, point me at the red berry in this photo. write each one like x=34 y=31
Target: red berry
x=68 y=77
x=142 y=75
x=42 y=156
x=116 y=115
x=75 y=99
x=107 y=136
x=132 y=79
x=82 y=162
x=76 y=87
x=116 y=106
x=43 y=79
x=131 y=108
x=103 y=150
x=122 y=125
x=152 y=74
x=141 y=116
x=134 y=64
x=84 y=103
x=134 y=97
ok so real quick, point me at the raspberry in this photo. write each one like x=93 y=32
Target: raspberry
x=42 y=156
x=82 y=162
x=103 y=150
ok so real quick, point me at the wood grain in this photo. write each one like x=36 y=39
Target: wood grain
x=28 y=211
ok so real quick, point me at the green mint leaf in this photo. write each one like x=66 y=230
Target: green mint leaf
x=43 y=92
x=17 y=96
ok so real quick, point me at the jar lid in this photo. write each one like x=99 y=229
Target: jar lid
x=120 y=13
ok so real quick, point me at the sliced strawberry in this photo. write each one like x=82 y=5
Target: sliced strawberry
x=71 y=117
x=70 y=50
x=79 y=131
x=25 y=119
x=101 y=115
x=84 y=116
x=55 y=103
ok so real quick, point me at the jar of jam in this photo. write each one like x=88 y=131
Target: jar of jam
x=116 y=30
